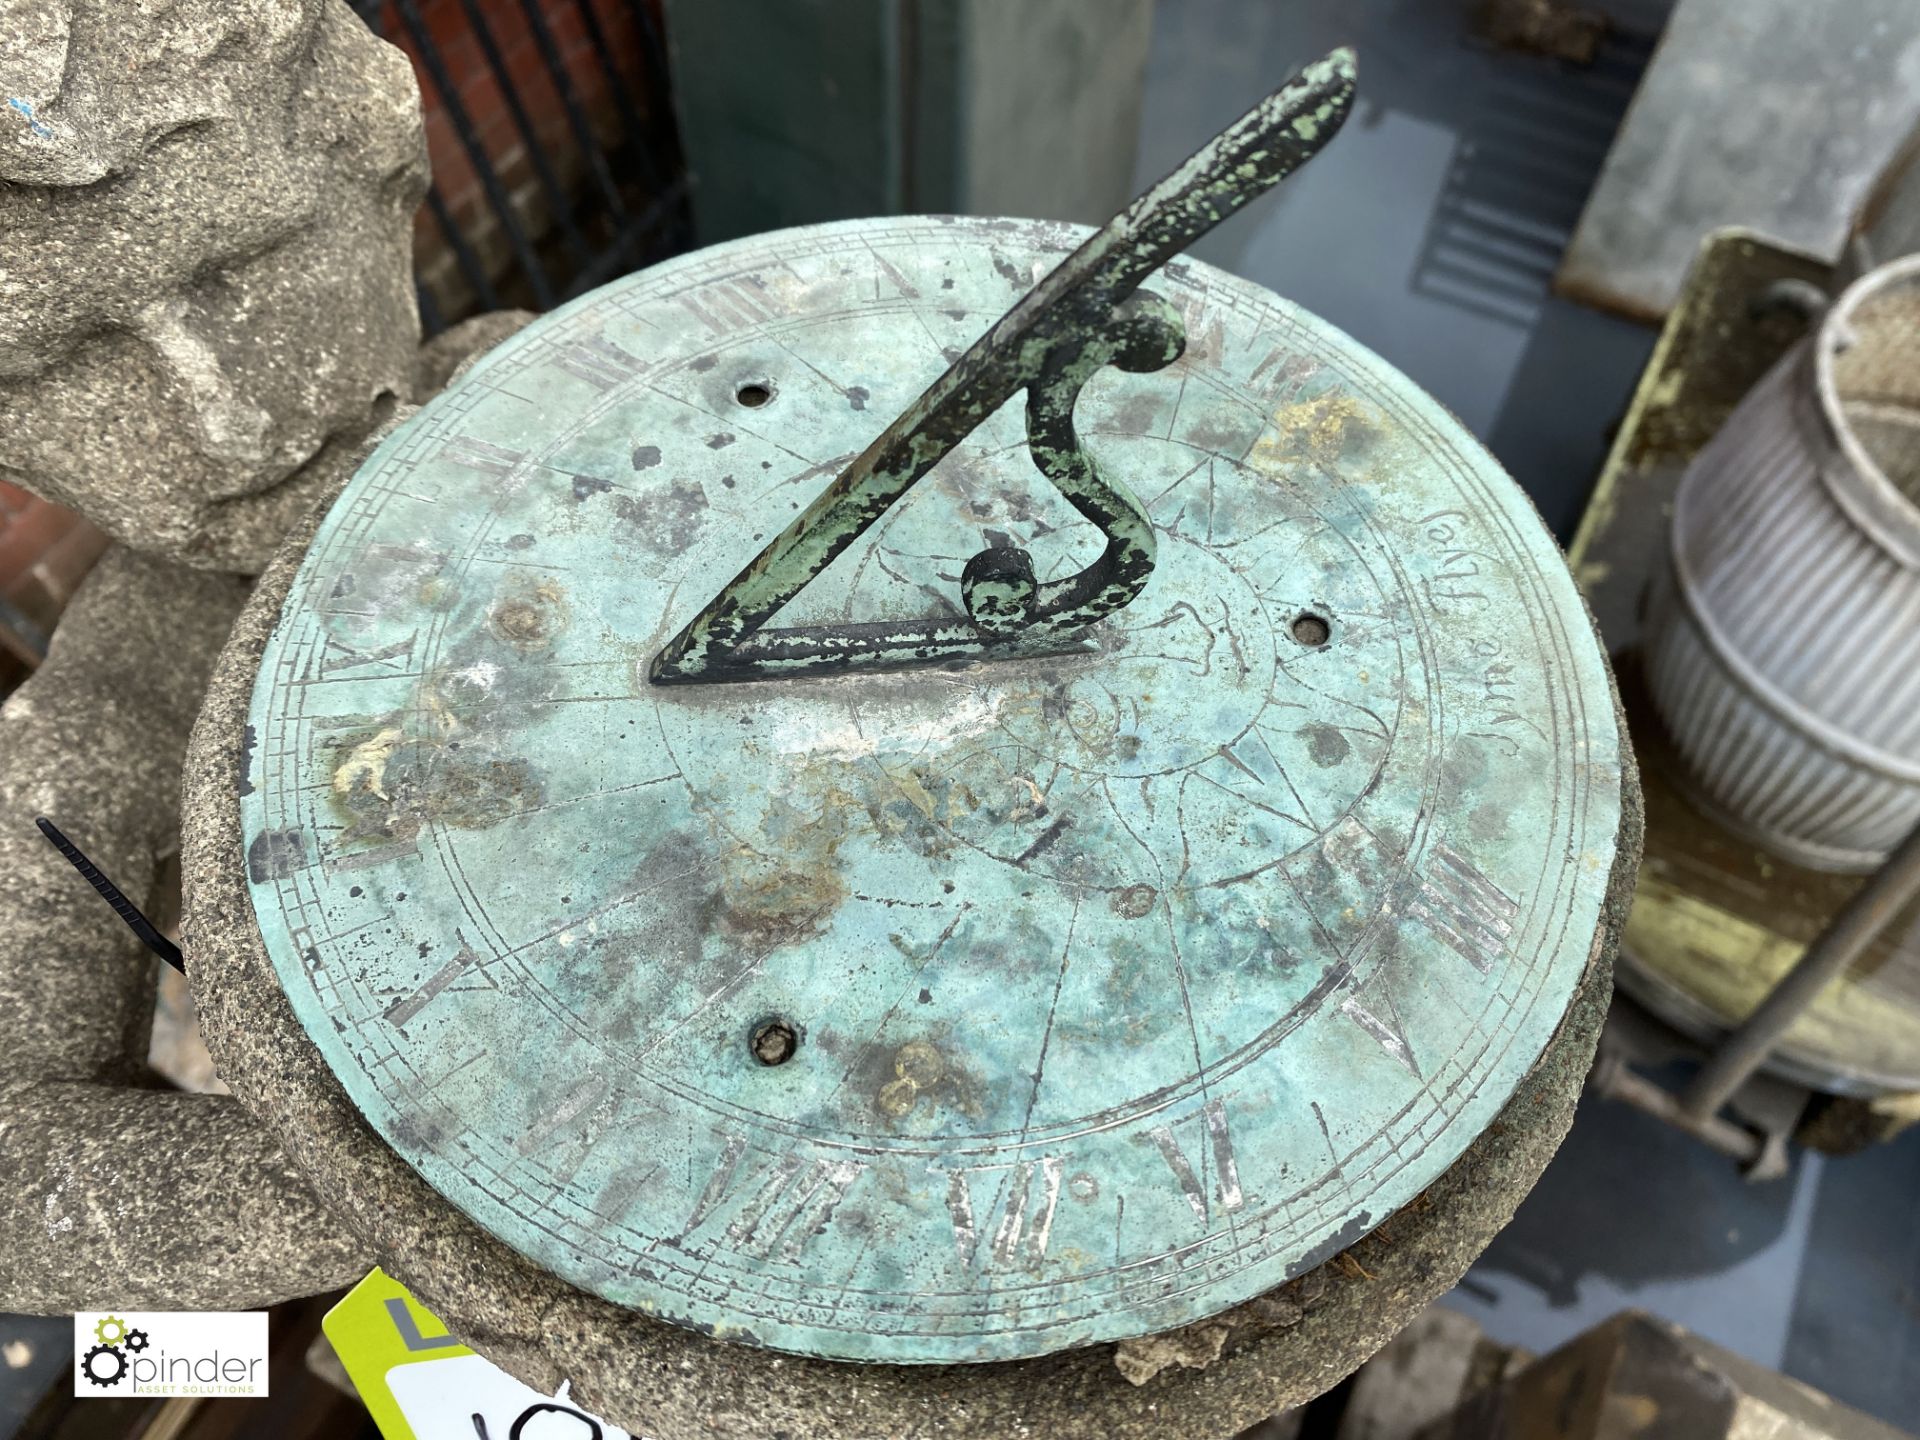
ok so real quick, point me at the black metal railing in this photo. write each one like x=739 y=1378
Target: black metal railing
x=605 y=191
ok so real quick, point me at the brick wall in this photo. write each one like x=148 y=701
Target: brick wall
x=45 y=552
x=610 y=87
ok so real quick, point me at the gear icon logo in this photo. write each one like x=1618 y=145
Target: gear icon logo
x=110 y=1361
x=104 y=1365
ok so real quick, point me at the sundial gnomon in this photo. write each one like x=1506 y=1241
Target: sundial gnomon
x=1109 y=981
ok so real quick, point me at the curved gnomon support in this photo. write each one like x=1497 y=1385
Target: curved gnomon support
x=1083 y=314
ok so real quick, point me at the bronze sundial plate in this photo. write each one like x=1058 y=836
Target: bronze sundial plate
x=1116 y=986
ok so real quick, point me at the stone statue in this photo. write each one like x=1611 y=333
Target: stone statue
x=206 y=316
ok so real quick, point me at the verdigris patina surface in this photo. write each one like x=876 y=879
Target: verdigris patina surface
x=670 y=1382
x=1122 y=986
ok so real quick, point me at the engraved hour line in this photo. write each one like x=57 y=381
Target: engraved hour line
x=1025 y=1225
x=1465 y=909
x=481 y=455
x=825 y=378
x=793 y=1201
x=1233 y=758
x=810 y=467
x=366 y=859
x=599 y=362
x=1226 y=1168
x=908 y=290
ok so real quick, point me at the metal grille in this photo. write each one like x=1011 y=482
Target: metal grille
x=1527 y=158
x=556 y=161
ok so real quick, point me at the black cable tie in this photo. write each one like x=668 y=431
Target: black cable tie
x=110 y=892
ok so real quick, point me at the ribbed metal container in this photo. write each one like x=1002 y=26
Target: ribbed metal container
x=1783 y=638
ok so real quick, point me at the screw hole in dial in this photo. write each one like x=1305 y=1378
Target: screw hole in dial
x=774 y=1041
x=1312 y=630
x=753 y=394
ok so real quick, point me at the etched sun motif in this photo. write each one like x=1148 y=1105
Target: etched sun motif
x=1273 y=735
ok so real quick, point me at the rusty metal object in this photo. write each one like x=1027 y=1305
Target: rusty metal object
x=1761 y=1154
x=1764 y=1116
x=1861 y=921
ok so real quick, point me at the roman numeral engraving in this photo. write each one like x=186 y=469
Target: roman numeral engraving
x=600 y=363
x=729 y=304
x=1268 y=362
x=376 y=855
x=407 y=1007
x=718 y=1184
x=582 y=1100
x=1226 y=1170
x=1030 y=1192
x=793 y=1201
x=338 y=655
x=1372 y=1008
x=1281 y=368
x=1465 y=909
x=481 y=455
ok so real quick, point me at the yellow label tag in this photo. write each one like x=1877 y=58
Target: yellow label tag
x=420 y=1383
